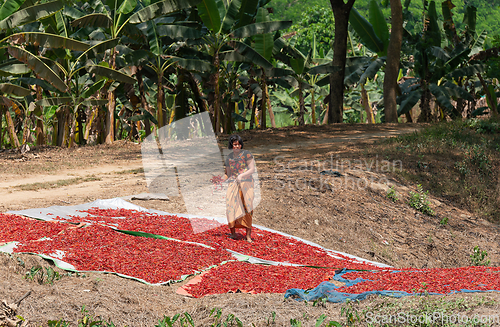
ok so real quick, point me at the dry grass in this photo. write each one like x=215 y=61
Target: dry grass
x=56 y=184
x=456 y=161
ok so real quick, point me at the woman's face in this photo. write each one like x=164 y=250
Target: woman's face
x=236 y=146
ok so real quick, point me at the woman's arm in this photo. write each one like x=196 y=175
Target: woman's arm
x=249 y=172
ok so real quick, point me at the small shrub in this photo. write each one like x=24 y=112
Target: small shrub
x=444 y=221
x=391 y=195
x=478 y=257
x=47 y=276
x=419 y=201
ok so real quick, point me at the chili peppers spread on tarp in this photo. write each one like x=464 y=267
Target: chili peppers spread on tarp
x=435 y=280
x=266 y=245
x=234 y=276
x=99 y=248
x=18 y=228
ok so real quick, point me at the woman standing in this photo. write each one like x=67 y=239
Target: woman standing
x=240 y=166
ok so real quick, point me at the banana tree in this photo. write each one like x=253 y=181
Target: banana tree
x=226 y=28
x=117 y=19
x=439 y=71
x=164 y=52
x=374 y=35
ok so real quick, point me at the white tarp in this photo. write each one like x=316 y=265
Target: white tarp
x=118 y=203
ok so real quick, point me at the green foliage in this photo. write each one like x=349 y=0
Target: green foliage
x=478 y=257
x=391 y=195
x=419 y=201
x=476 y=159
x=47 y=276
x=271 y=320
x=350 y=313
x=316 y=24
x=231 y=319
x=444 y=221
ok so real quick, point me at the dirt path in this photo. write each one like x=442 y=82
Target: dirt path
x=354 y=216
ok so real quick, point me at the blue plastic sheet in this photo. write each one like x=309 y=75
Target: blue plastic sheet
x=329 y=291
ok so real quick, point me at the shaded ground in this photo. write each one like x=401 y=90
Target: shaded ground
x=350 y=213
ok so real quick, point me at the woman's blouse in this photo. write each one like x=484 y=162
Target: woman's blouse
x=238 y=164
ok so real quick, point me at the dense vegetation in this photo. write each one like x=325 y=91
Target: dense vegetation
x=488 y=12
x=86 y=72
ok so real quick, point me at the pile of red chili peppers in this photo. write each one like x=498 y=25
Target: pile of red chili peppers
x=21 y=229
x=97 y=247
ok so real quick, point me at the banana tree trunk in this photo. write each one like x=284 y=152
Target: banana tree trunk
x=10 y=127
x=110 y=117
x=160 y=101
x=269 y=108
x=40 y=134
x=66 y=128
x=197 y=93
x=313 y=108
x=144 y=102
x=366 y=103
x=253 y=101
x=230 y=108
x=425 y=104
x=79 y=126
x=325 y=118
x=302 y=108
x=263 y=103
x=181 y=107
x=491 y=101
x=217 y=109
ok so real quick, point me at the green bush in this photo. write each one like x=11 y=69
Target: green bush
x=419 y=201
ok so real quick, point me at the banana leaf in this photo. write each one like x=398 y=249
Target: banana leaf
x=248 y=8
x=94 y=88
x=377 y=20
x=10 y=7
x=161 y=8
x=94 y=102
x=36 y=64
x=264 y=43
x=94 y=20
x=210 y=15
x=442 y=97
x=15 y=69
x=178 y=32
x=468 y=71
x=261 y=28
x=457 y=91
x=372 y=70
x=252 y=55
x=366 y=32
x=15 y=105
x=110 y=74
x=194 y=64
x=14 y=89
x=30 y=14
x=231 y=15
x=408 y=101
x=54 y=101
x=127 y=6
x=47 y=40
x=35 y=81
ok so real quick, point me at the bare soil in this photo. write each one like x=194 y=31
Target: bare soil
x=351 y=213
